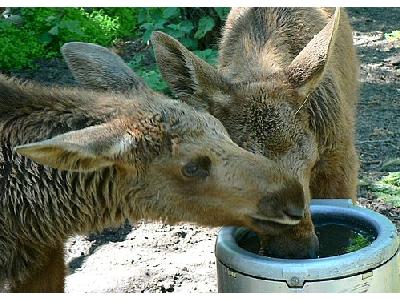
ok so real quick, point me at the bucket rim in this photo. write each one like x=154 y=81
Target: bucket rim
x=382 y=249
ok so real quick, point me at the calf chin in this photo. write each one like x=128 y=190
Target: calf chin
x=295 y=242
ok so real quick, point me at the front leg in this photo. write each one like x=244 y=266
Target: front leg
x=49 y=278
x=336 y=174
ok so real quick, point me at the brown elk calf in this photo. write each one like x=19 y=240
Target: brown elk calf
x=286 y=87
x=74 y=161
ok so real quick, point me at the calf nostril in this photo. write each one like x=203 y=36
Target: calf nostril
x=294 y=212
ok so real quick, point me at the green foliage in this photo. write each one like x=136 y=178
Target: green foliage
x=150 y=73
x=222 y=12
x=17 y=47
x=45 y=30
x=188 y=25
x=387 y=188
x=357 y=243
x=205 y=25
x=209 y=55
x=393 y=36
x=191 y=26
x=393 y=179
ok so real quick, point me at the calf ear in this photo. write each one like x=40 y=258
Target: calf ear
x=97 y=67
x=82 y=150
x=189 y=77
x=306 y=70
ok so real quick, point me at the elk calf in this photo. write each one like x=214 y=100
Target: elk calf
x=286 y=87
x=74 y=161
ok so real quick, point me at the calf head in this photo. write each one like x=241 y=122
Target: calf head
x=172 y=162
x=263 y=114
x=176 y=165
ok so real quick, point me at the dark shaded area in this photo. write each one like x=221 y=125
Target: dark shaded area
x=378 y=125
x=335 y=238
x=108 y=235
x=375 y=18
x=48 y=72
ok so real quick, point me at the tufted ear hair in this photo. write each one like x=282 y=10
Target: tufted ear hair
x=95 y=147
x=306 y=71
x=189 y=77
x=87 y=149
x=97 y=67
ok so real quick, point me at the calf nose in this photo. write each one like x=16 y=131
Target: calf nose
x=288 y=202
x=295 y=213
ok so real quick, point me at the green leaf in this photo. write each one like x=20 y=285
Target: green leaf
x=189 y=43
x=142 y=15
x=46 y=38
x=173 y=26
x=51 y=19
x=222 y=12
x=186 y=26
x=206 y=24
x=393 y=178
x=147 y=35
x=54 y=30
x=171 y=12
x=147 y=26
x=160 y=24
x=136 y=61
x=178 y=34
x=209 y=55
x=5 y=25
x=72 y=26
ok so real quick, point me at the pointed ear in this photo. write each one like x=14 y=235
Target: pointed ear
x=97 y=67
x=189 y=77
x=82 y=150
x=306 y=70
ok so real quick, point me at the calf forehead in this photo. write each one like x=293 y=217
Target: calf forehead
x=267 y=87
x=269 y=99
x=264 y=119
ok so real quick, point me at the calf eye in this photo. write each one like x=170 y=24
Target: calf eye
x=199 y=167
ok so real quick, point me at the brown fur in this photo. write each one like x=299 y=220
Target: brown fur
x=74 y=161
x=286 y=87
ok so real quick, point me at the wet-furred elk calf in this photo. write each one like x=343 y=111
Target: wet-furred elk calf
x=286 y=87
x=76 y=160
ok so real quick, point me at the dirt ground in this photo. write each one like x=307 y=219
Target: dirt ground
x=151 y=257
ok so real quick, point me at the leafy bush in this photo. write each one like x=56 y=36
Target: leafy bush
x=196 y=28
x=45 y=30
x=191 y=26
x=150 y=73
x=18 y=47
x=386 y=189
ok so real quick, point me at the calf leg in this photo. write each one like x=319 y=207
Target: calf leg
x=336 y=175
x=49 y=278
